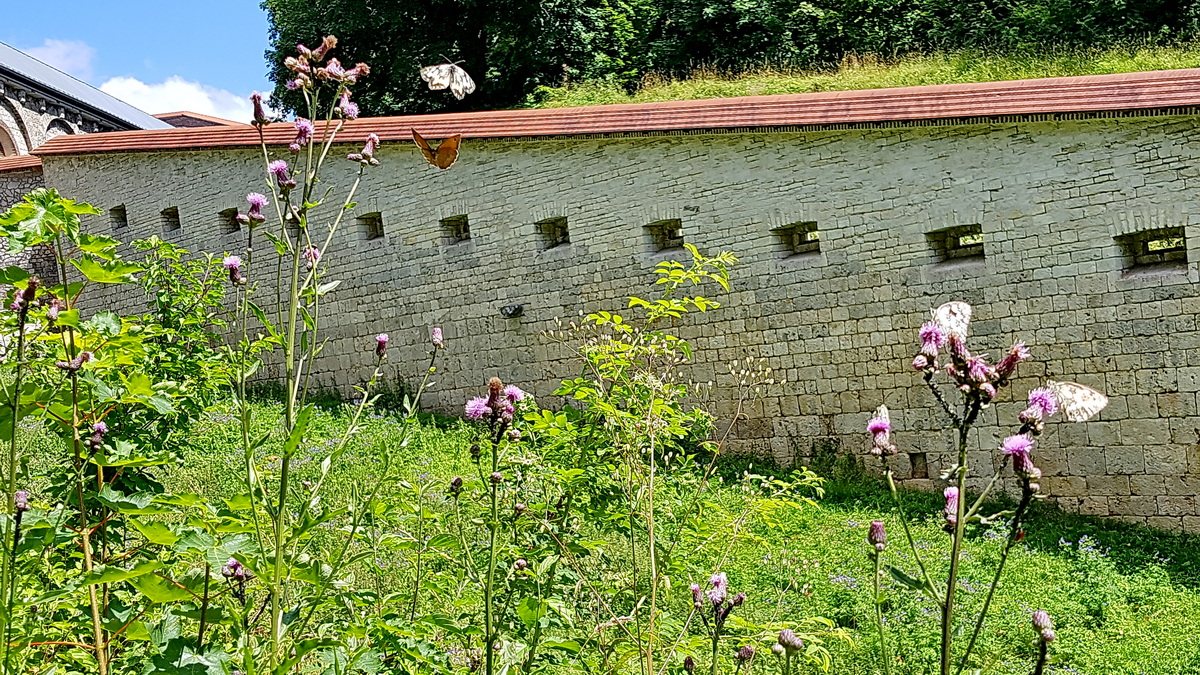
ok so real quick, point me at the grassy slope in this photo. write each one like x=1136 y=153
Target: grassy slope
x=874 y=73
x=1124 y=600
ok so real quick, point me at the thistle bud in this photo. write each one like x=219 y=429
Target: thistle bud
x=520 y=564
x=738 y=600
x=435 y=336
x=475 y=452
x=745 y=654
x=697 y=596
x=689 y=665
x=1041 y=620
x=381 y=344
x=497 y=477
x=777 y=649
x=456 y=485
x=21 y=500
x=520 y=508
x=877 y=536
x=1048 y=635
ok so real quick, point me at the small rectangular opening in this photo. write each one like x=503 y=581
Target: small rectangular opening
x=962 y=242
x=919 y=464
x=799 y=238
x=554 y=232
x=371 y=225
x=227 y=220
x=170 y=219
x=118 y=217
x=456 y=229
x=1163 y=248
x=666 y=235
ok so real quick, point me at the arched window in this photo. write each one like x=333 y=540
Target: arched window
x=7 y=147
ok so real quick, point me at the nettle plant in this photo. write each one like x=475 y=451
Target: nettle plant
x=89 y=417
x=964 y=385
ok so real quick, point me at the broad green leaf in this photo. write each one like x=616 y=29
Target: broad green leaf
x=159 y=590
x=910 y=582
x=113 y=272
x=155 y=532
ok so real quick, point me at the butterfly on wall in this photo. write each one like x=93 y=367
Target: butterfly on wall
x=953 y=317
x=1078 y=402
x=446 y=153
x=449 y=76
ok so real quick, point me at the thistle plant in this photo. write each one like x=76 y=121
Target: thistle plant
x=974 y=385
x=294 y=579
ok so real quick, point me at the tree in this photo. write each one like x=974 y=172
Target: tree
x=509 y=47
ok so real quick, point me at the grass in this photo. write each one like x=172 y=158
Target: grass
x=873 y=72
x=1124 y=600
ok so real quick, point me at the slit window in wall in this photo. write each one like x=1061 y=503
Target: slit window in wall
x=959 y=243
x=227 y=219
x=919 y=464
x=1164 y=248
x=799 y=238
x=118 y=217
x=456 y=229
x=666 y=235
x=554 y=232
x=371 y=225
x=170 y=219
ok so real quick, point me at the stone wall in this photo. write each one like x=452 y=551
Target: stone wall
x=30 y=117
x=1053 y=200
x=14 y=184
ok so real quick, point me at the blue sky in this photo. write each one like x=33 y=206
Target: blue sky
x=204 y=56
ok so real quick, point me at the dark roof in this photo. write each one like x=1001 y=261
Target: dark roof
x=38 y=74
x=185 y=118
x=1151 y=91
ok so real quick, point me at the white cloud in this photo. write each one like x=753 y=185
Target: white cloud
x=176 y=93
x=70 y=56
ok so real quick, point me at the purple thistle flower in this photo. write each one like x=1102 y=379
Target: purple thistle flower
x=347 y=108
x=979 y=370
x=100 y=428
x=1008 y=365
x=279 y=169
x=477 y=408
x=1042 y=404
x=333 y=70
x=359 y=70
x=738 y=600
x=920 y=362
x=21 y=500
x=312 y=256
x=932 y=337
x=260 y=113
x=720 y=588
x=435 y=336
x=236 y=571
x=514 y=393
x=381 y=343
x=257 y=202
x=304 y=134
x=1019 y=444
x=879 y=425
x=877 y=536
x=234 y=264
x=697 y=596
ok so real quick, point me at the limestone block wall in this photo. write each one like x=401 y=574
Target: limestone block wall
x=1053 y=201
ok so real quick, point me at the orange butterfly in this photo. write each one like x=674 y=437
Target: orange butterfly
x=446 y=153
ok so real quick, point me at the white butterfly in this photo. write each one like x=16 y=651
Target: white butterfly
x=953 y=317
x=1078 y=402
x=448 y=75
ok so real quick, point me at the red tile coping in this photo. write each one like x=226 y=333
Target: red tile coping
x=1058 y=95
x=20 y=163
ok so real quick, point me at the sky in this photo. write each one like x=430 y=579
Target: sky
x=205 y=56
